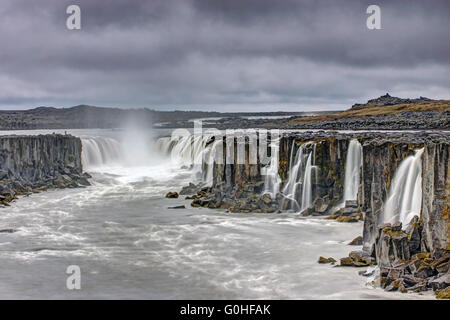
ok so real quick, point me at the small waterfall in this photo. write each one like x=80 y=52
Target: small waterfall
x=272 y=180
x=298 y=189
x=99 y=151
x=209 y=156
x=353 y=164
x=405 y=194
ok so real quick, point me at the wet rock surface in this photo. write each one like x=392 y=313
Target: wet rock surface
x=240 y=188
x=31 y=164
x=244 y=199
x=405 y=266
x=172 y=195
x=357 y=259
x=324 y=260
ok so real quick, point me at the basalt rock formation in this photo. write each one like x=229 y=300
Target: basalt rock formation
x=35 y=163
x=241 y=188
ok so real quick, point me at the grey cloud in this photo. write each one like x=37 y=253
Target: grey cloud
x=221 y=54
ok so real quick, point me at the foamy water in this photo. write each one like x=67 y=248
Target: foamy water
x=128 y=244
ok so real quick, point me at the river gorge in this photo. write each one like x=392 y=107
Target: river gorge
x=249 y=214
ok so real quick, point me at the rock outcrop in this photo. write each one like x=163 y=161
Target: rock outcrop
x=381 y=158
x=404 y=265
x=388 y=100
x=36 y=163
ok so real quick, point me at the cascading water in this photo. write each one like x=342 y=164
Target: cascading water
x=272 y=180
x=99 y=151
x=194 y=152
x=353 y=164
x=405 y=194
x=298 y=189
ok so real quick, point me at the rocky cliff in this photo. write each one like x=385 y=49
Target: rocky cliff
x=36 y=163
x=239 y=187
x=410 y=257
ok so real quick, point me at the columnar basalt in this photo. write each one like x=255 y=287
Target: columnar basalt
x=436 y=195
x=36 y=163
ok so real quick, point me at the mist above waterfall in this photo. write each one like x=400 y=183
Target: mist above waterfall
x=132 y=146
x=138 y=146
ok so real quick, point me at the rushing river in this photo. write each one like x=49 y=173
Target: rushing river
x=128 y=244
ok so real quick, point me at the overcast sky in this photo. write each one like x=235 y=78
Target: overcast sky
x=233 y=55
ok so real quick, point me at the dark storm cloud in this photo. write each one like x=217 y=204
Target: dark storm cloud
x=224 y=55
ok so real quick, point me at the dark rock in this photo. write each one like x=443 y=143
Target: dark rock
x=8 y=230
x=396 y=227
x=3 y=174
x=358 y=241
x=172 y=195
x=440 y=282
x=177 y=207
x=326 y=260
x=190 y=189
x=357 y=259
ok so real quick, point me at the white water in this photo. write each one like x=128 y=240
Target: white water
x=196 y=152
x=298 y=188
x=353 y=164
x=272 y=180
x=405 y=194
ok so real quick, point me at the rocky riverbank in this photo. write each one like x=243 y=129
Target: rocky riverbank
x=31 y=164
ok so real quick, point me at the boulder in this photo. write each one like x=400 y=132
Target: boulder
x=326 y=260
x=358 y=241
x=358 y=259
x=189 y=189
x=321 y=204
x=172 y=195
x=443 y=294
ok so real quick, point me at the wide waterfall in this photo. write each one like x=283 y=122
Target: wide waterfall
x=272 y=179
x=132 y=147
x=405 y=194
x=353 y=164
x=298 y=188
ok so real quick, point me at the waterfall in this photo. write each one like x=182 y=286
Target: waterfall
x=209 y=157
x=405 y=194
x=99 y=151
x=353 y=164
x=194 y=152
x=298 y=189
x=272 y=180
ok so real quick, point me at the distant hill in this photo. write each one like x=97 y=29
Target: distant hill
x=84 y=116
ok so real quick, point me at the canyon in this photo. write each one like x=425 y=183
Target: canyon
x=396 y=183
